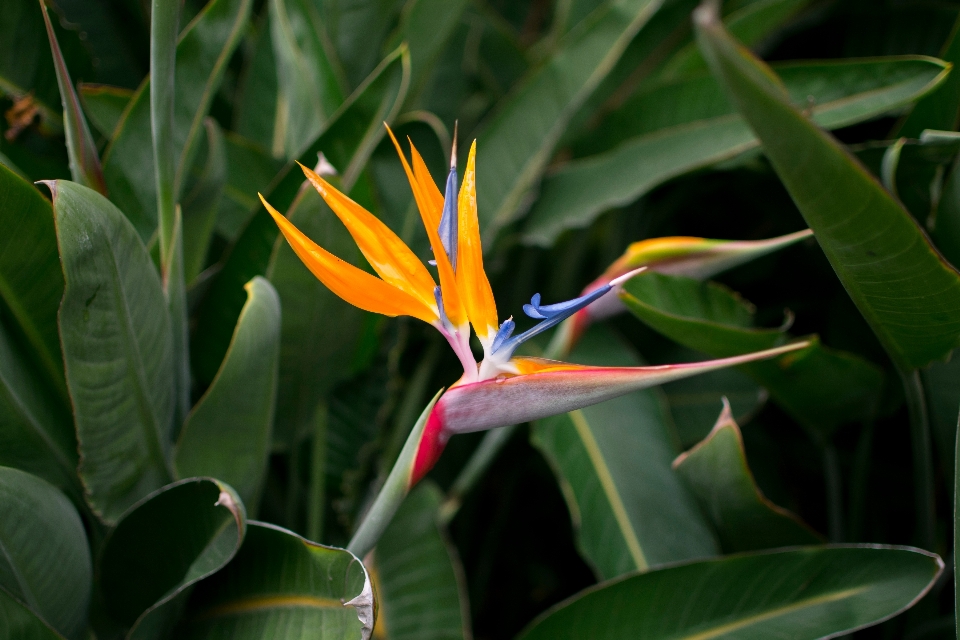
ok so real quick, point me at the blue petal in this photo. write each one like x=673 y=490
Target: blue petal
x=438 y=296
x=448 y=221
x=506 y=330
x=551 y=314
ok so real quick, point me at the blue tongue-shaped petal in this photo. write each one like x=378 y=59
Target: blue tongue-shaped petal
x=448 y=221
x=553 y=314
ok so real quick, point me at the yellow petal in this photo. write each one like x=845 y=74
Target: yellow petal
x=471 y=278
x=354 y=285
x=387 y=254
x=430 y=214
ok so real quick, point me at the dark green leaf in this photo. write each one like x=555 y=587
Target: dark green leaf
x=171 y=540
x=419 y=578
x=255 y=104
x=940 y=109
x=282 y=586
x=203 y=52
x=104 y=105
x=118 y=350
x=25 y=62
x=44 y=560
x=426 y=26
x=37 y=434
x=820 y=387
x=815 y=592
x=717 y=472
x=941 y=381
x=82 y=151
x=321 y=332
x=31 y=282
x=357 y=29
x=201 y=202
x=309 y=92
x=908 y=294
x=227 y=434
x=347 y=143
x=631 y=510
x=17 y=622
x=250 y=169
x=681 y=126
x=518 y=142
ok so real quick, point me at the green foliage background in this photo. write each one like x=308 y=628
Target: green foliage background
x=192 y=462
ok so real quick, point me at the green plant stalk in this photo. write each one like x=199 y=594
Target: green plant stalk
x=318 y=471
x=164 y=21
x=394 y=490
x=493 y=441
x=922 y=457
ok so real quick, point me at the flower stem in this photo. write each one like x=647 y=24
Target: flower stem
x=479 y=462
x=922 y=457
x=394 y=490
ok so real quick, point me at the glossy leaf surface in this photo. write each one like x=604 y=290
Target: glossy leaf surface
x=173 y=539
x=117 y=348
x=419 y=578
x=716 y=471
x=227 y=434
x=918 y=319
x=518 y=142
x=815 y=592
x=44 y=559
x=614 y=460
x=689 y=124
x=280 y=586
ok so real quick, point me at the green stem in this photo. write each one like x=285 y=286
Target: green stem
x=922 y=457
x=165 y=16
x=478 y=464
x=394 y=490
x=318 y=471
x=834 y=482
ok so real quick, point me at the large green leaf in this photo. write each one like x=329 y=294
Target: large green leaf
x=321 y=332
x=681 y=126
x=203 y=52
x=820 y=387
x=44 y=559
x=18 y=622
x=716 y=471
x=31 y=282
x=285 y=587
x=357 y=30
x=37 y=434
x=347 y=143
x=227 y=434
x=816 y=592
x=426 y=26
x=518 y=142
x=908 y=294
x=419 y=578
x=171 y=540
x=118 y=350
x=631 y=511
x=255 y=104
x=309 y=92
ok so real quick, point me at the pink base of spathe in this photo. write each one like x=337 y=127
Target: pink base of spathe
x=432 y=443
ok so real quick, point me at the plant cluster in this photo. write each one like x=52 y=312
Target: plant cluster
x=223 y=414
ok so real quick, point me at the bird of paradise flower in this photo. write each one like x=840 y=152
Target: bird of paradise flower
x=503 y=388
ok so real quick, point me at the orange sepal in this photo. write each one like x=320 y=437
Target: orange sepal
x=354 y=285
x=471 y=277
